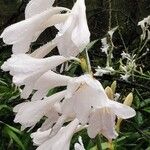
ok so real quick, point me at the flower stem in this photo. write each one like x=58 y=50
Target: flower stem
x=88 y=61
x=98 y=142
x=85 y=62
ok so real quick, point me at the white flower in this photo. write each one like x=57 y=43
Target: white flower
x=125 y=76
x=24 y=32
x=35 y=7
x=105 y=45
x=86 y=98
x=145 y=23
x=102 y=119
x=29 y=113
x=101 y=71
x=50 y=80
x=61 y=141
x=74 y=33
x=82 y=95
x=26 y=69
x=79 y=146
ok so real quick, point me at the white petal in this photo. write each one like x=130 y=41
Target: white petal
x=83 y=100
x=29 y=113
x=121 y=110
x=64 y=48
x=37 y=6
x=81 y=30
x=58 y=125
x=102 y=121
x=22 y=46
x=27 y=90
x=95 y=84
x=61 y=141
x=43 y=50
x=40 y=137
x=64 y=37
x=51 y=80
x=72 y=86
x=67 y=108
x=38 y=95
x=53 y=116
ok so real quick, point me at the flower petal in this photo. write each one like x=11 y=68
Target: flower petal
x=121 y=110
x=35 y=7
x=43 y=50
x=102 y=121
x=81 y=28
x=29 y=113
x=40 y=137
x=61 y=141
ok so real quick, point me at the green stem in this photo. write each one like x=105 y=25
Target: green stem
x=98 y=142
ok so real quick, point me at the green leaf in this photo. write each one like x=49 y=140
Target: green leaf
x=2 y=82
x=147 y=109
x=4 y=107
x=13 y=136
x=91 y=44
x=14 y=129
x=144 y=103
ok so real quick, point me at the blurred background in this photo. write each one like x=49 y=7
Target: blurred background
x=102 y=15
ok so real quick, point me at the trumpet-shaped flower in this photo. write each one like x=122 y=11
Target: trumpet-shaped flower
x=61 y=141
x=83 y=93
x=26 y=69
x=86 y=100
x=29 y=113
x=24 y=32
x=74 y=33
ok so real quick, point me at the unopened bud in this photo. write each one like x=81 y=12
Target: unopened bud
x=109 y=93
x=113 y=86
x=83 y=64
x=129 y=99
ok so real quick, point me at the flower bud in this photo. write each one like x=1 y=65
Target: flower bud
x=109 y=93
x=113 y=86
x=129 y=99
